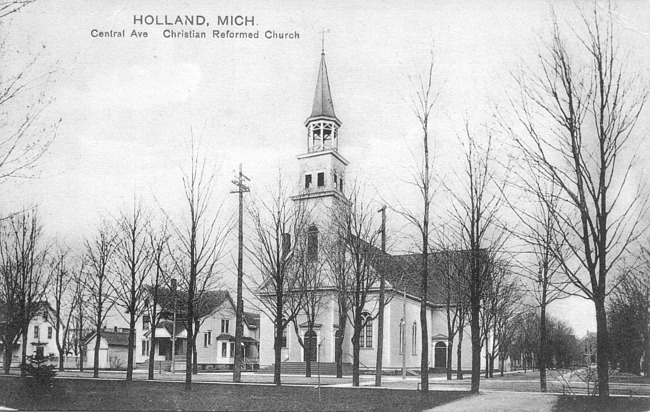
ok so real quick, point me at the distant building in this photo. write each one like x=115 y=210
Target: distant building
x=588 y=345
x=41 y=337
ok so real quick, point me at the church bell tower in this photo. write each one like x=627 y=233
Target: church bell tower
x=322 y=167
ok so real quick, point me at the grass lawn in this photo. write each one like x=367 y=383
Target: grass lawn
x=593 y=404
x=88 y=394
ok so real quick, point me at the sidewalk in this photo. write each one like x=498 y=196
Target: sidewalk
x=502 y=402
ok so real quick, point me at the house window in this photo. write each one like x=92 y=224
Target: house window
x=36 y=332
x=49 y=332
x=146 y=320
x=232 y=349
x=401 y=337
x=321 y=179
x=341 y=183
x=307 y=181
x=414 y=339
x=312 y=244
x=225 y=323
x=145 y=347
x=365 y=338
x=336 y=181
x=206 y=339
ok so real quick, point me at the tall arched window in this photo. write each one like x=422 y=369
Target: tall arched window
x=312 y=243
x=365 y=338
x=414 y=339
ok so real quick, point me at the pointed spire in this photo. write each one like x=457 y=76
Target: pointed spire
x=323 y=106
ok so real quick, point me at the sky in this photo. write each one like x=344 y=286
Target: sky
x=129 y=106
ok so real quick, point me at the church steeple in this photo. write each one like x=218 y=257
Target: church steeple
x=323 y=106
x=322 y=168
x=323 y=124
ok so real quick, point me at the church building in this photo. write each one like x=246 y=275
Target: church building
x=320 y=184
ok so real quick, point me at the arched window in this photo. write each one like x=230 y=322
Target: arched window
x=365 y=338
x=440 y=355
x=312 y=243
x=414 y=339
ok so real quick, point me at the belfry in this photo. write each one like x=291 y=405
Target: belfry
x=322 y=167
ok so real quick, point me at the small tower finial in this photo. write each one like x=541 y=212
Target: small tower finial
x=322 y=32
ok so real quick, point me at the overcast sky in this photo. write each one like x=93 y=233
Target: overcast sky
x=129 y=106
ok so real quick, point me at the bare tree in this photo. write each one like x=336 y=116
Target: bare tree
x=26 y=133
x=133 y=265
x=545 y=280
x=159 y=244
x=275 y=223
x=355 y=226
x=451 y=276
x=423 y=99
x=100 y=252
x=500 y=306
x=577 y=111
x=199 y=248
x=8 y=7
x=22 y=280
x=311 y=280
x=477 y=202
x=81 y=309
x=63 y=288
x=628 y=312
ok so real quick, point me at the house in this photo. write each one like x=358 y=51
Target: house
x=588 y=345
x=319 y=186
x=214 y=342
x=113 y=348
x=41 y=337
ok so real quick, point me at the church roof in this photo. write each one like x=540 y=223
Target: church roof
x=323 y=106
x=405 y=272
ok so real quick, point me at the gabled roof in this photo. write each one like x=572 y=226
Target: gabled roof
x=404 y=272
x=252 y=319
x=206 y=304
x=112 y=338
x=323 y=106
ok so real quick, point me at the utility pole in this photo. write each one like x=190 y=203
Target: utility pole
x=403 y=342
x=382 y=303
x=174 y=287
x=239 y=327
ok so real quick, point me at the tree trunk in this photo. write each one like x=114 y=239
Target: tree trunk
x=459 y=353
x=424 y=360
x=542 y=347
x=487 y=361
x=277 y=347
x=602 y=346
x=9 y=352
x=96 y=351
x=449 y=356
x=188 y=354
x=23 y=351
x=308 y=350
x=356 y=350
x=380 y=331
x=129 y=359
x=152 y=347
x=476 y=346
x=339 y=346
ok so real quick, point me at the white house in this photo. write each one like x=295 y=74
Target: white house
x=40 y=339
